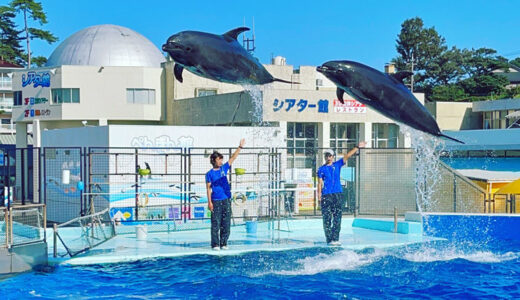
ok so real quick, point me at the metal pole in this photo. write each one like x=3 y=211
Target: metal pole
x=10 y=232
x=395 y=219
x=454 y=193
x=55 y=240
x=22 y=156
x=136 y=217
x=6 y=227
x=45 y=222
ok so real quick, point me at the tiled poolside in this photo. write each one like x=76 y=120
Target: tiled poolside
x=293 y=234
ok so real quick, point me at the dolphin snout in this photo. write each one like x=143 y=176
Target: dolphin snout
x=321 y=69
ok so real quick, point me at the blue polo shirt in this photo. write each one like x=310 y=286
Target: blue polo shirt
x=331 y=177
x=220 y=189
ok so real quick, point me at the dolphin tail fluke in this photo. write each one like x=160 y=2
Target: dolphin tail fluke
x=285 y=81
x=450 y=138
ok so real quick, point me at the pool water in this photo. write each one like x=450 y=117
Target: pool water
x=435 y=270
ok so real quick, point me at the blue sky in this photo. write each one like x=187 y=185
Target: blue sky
x=305 y=32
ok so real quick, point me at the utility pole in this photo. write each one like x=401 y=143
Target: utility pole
x=411 y=80
x=27 y=37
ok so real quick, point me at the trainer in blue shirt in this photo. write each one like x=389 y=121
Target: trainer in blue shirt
x=219 y=198
x=330 y=192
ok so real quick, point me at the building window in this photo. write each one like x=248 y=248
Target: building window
x=6 y=121
x=140 y=96
x=5 y=81
x=385 y=135
x=205 y=92
x=343 y=136
x=302 y=140
x=17 y=98
x=487 y=120
x=65 y=96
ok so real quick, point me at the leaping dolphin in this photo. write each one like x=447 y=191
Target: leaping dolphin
x=383 y=92
x=217 y=57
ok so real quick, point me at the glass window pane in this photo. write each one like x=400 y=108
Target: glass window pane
x=352 y=131
x=299 y=130
x=300 y=147
x=290 y=130
x=129 y=95
x=342 y=131
x=151 y=96
x=332 y=130
x=310 y=130
x=66 y=95
x=140 y=96
x=56 y=96
x=75 y=95
x=290 y=143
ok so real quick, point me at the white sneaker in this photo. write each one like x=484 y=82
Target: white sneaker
x=335 y=243
x=224 y=248
x=216 y=249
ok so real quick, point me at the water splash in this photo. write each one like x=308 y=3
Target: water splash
x=427 y=149
x=344 y=260
x=258 y=123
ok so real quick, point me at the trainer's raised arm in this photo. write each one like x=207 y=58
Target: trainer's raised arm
x=235 y=154
x=353 y=151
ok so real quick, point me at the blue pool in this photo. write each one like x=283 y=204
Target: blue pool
x=439 y=269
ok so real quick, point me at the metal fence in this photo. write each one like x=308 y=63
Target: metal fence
x=21 y=225
x=165 y=187
x=83 y=233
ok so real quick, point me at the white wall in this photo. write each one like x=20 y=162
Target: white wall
x=103 y=93
x=194 y=136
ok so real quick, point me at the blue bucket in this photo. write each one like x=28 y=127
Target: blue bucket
x=251 y=226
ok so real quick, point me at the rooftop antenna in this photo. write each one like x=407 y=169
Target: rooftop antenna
x=249 y=43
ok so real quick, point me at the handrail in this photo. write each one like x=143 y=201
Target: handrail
x=462 y=177
x=8 y=219
x=83 y=217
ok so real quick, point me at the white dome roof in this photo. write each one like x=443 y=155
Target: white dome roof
x=106 y=45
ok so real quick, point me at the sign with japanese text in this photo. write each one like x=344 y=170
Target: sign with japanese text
x=36 y=112
x=42 y=79
x=33 y=100
x=350 y=107
x=320 y=106
x=300 y=105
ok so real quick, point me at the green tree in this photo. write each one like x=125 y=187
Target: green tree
x=445 y=69
x=515 y=62
x=482 y=61
x=32 y=9
x=10 y=48
x=448 y=92
x=485 y=85
x=417 y=48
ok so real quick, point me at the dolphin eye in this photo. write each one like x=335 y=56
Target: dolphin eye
x=339 y=71
x=188 y=49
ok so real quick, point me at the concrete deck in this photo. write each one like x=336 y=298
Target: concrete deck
x=294 y=234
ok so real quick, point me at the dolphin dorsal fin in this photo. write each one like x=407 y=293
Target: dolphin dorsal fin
x=233 y=34
x=399 y=76
x=177 y=71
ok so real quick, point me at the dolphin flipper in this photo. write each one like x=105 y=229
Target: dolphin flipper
x=233 y=34
x=339 y=94
x=450 y=138
x=177 y=71
x=285 y=81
